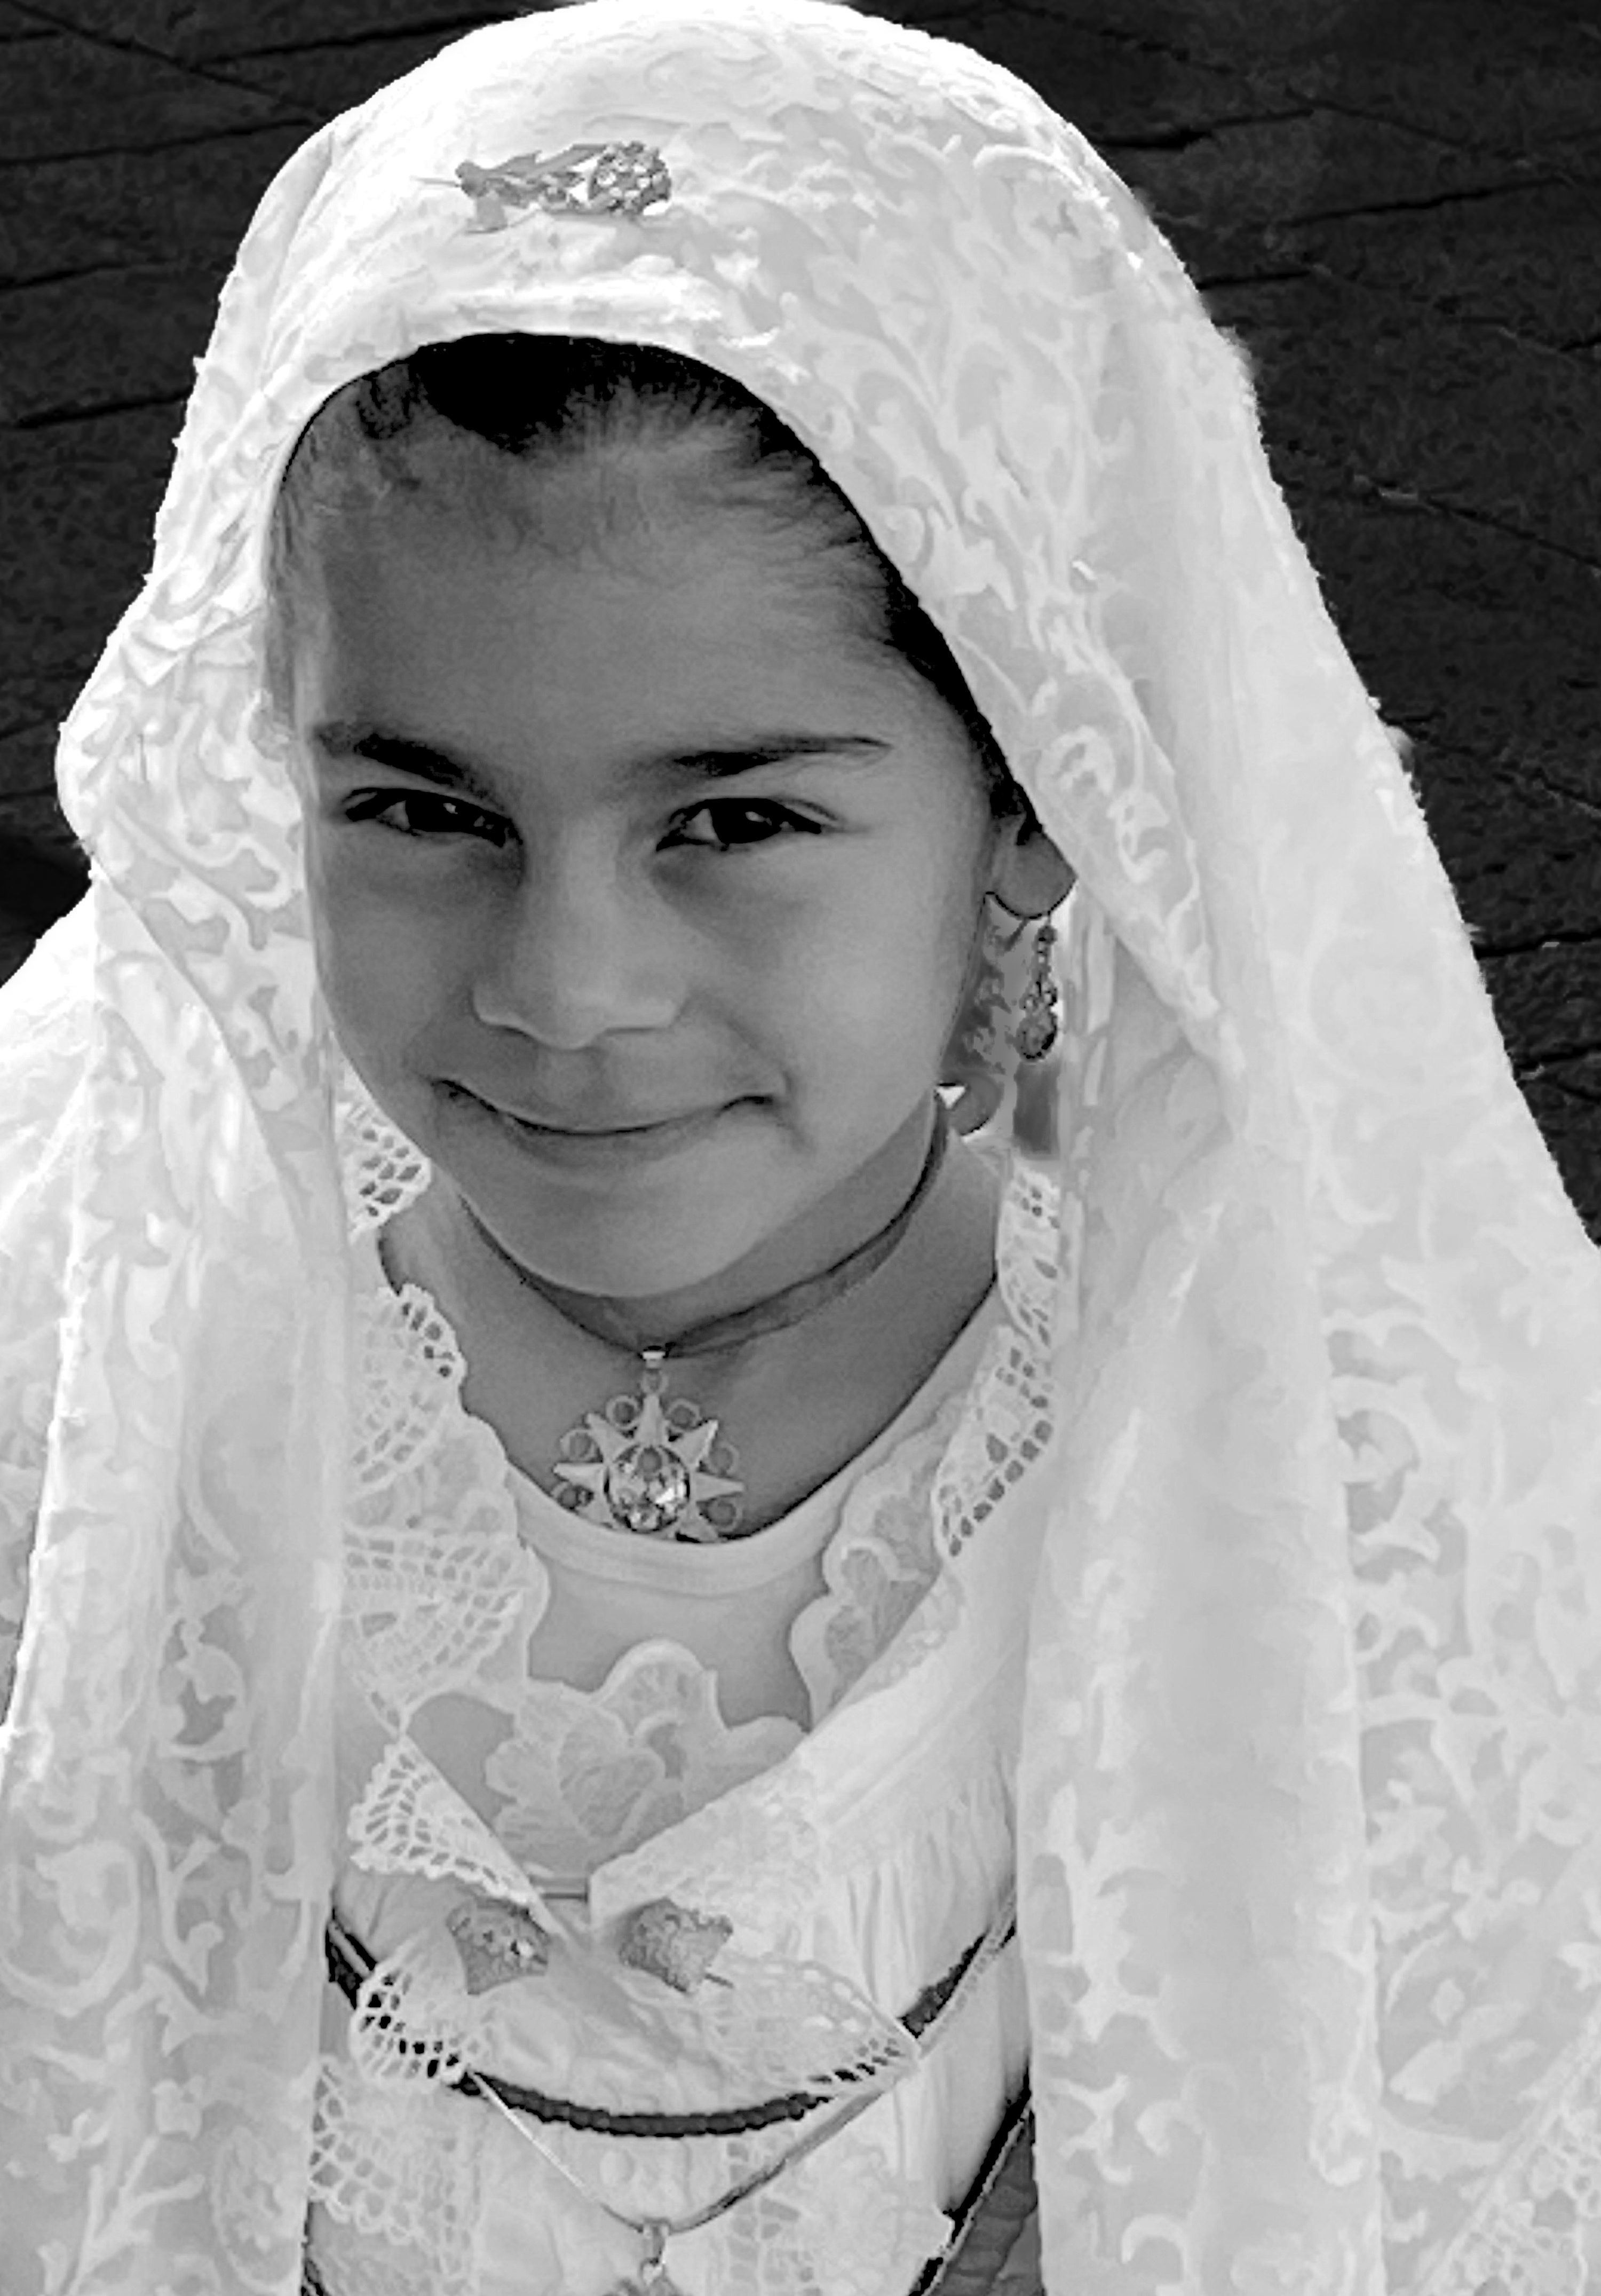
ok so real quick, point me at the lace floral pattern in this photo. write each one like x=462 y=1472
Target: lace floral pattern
x=587 y=1775
x=432 y=1596
x=411 y=1821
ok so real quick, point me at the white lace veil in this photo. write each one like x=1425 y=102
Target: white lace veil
x=1310 y=1814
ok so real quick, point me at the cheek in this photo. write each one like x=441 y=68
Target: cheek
x=383 y=967
x=879 y=977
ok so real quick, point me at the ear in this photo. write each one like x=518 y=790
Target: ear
x=1028 y=874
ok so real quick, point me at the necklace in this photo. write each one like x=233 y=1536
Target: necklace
x=659 y=1466
x=653 y=2278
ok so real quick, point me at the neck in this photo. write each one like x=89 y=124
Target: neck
x=845 y=1222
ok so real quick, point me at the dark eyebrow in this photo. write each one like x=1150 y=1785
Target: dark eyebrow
x=342 y=739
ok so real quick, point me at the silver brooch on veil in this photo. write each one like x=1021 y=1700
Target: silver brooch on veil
x=597 y=180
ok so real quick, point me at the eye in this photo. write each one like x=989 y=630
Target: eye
x=733 y=822
x=375 y=803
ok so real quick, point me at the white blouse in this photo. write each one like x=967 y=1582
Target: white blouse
x=564 y=1724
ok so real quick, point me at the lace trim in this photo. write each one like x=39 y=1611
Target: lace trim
x=1029 y=1252
x=392 y=2174
x=411 y=1820
x=383 y=1173
x=994 y=1445
x=437 y=1582
x=411 y=1370
x=1528 y=2235
x=621 y=2044
x=880 y=1564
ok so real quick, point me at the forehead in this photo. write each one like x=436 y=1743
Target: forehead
x=536 y=674
x=416 y=601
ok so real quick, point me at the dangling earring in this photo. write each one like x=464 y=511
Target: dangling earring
x=977 y=1059
x=975 y=1055
x=1036 y=1030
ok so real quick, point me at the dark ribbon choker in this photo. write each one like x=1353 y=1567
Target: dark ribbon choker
x=658 y=1467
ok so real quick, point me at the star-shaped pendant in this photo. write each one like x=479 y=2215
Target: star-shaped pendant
x=653 y=1468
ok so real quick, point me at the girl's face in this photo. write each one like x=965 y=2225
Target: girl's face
x=658 y=860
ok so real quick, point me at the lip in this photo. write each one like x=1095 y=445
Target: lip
x=577 y=1149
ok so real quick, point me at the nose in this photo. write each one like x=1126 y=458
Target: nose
x=574 y=954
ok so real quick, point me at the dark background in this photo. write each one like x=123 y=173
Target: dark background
x=1397 y=203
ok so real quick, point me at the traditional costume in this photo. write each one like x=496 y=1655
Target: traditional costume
x=1202 y=1676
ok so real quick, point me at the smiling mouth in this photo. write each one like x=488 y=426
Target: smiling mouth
x=622 y=1131
x=606 y=1131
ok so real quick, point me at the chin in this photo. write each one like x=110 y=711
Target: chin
x=612 y=1265
x=617 y=1249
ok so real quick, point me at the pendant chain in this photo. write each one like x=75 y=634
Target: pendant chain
x=657 y=2231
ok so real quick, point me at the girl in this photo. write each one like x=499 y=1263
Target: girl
x=649 y=1584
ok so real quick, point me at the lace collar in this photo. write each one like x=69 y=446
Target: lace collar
x=437 y=1580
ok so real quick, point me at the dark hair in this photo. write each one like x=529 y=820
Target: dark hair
x=554 y=401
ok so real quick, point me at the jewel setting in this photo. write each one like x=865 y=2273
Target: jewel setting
x=498 y=1943
x=674 y=1943
x=583 y=179
x=656 y=1468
